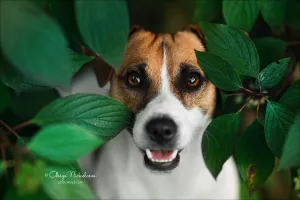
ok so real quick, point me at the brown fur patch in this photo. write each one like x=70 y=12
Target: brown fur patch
x=146 y=47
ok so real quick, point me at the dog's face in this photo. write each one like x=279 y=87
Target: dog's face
x=162 y=83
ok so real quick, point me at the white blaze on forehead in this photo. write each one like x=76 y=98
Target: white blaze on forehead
x=188 y=121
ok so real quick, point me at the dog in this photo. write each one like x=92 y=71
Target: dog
x=159 y=156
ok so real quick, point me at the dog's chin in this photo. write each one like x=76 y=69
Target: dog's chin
x=161 y=160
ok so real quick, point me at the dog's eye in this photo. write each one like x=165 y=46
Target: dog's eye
x=133 y=79
x=193 y=80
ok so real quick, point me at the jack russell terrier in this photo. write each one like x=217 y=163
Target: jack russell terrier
x=159 y=156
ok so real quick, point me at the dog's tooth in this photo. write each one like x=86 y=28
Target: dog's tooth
x=174 y=154
x=149 y=154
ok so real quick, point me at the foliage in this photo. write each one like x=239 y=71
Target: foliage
x=44 y=43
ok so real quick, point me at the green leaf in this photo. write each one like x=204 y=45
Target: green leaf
x=14 y=79
x=278 y=120
x=62 y=183
x=12 y=194
x=224 y=98
x=219 y=71
x=269 y=49
x=218 y=141
x=104 y=25
x=291 y=150
x=2 y=166
x=234 y=46
x=272 y=74
x=253 y=157
x=101 y=115
x=64 y=13
x=29 y=177
x=206 y=10
x=273 y=12
x=240 y=14
x=5 y=97
x=291 y=98
x=292 y=13
x=40 y=51
x=63 y=142
x=28 y=104
x=78 y=61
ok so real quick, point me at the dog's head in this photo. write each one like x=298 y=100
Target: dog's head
x=161 y=82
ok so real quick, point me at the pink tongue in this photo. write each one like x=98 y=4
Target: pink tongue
x=161 y=154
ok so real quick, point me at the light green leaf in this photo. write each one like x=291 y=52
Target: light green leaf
x=291 y=98
x=5 y=97
x=12 y=194
x=78 y=60
x=234 y=46
x=277 y=123
x=272 y=74
x=219 y=71
x=41 y=49
x=291 y=150
x=273 y=11
x=29 y=177
x=206 y=10
x=269 y=49
x=241 y=14
x=253 y=157
x=63 y=142
x=104 y=26
x=65 y=183
x=101 y=115
x=218 y=141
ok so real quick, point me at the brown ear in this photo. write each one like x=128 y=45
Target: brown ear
x=102 y=70
x=196 y=30
x=134 y=29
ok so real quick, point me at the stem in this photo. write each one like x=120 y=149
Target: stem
x=247 y=102
x=9 y=129
x=250 y=91
x=257 y=108
x=22 y=125
x=235 y=94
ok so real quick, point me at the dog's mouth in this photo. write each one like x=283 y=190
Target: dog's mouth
x=161 y=159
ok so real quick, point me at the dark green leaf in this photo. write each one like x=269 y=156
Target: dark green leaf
x=62 y=183
x=78 y=61
x=273 y=12
x=291 y=151
x=102 y=115
x=272 y=74
x=12 y=194
x=218 y=141
x=278 y=120
x=2 y=166
x=269 y=49
x=234 y=46
x=14 y=79
x=63 y=142
x=28 y=104
x=224 y=98
x=292 y=13
x=40 y=51
x=64 y=13
x=5 y=97
x=254 y=159
x=29 y=177
x=219 y=71
x=104 y=25
x=206 y=10
x=291 y=98
x=240 y=14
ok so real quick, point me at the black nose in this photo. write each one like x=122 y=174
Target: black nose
x=161 y=130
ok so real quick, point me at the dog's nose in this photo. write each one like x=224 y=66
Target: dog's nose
x=161 y=130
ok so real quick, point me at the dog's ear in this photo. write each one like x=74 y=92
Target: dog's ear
x=196 y=30
x=103 y=71
x=134 y=29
